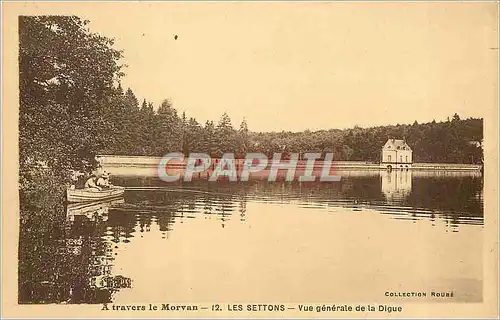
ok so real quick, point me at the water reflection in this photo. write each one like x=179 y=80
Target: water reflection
x=68 y=260
x=396 y=185
x=76 y=254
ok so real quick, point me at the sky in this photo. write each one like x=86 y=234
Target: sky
x=296 y=66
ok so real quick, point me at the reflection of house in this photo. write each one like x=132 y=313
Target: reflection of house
x=396 y=154
x=396 y=185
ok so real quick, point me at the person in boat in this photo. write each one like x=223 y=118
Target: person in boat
x=103 y=181
x=91 y=183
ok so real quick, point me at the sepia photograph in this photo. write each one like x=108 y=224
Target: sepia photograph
x=250 y=159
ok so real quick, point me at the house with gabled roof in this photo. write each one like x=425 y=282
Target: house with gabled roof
x=396 y=153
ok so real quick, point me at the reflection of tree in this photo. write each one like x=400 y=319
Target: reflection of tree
x=242 y=207
x=144 y=222
x=404 y=188
x=398 y=187
x=361 y=189
x=169 y=205
x=59 y=257
x=152 y=205
x=121 y=223
x=207 y=204
x=458 y=194
x=164 y=220
x=224 y=208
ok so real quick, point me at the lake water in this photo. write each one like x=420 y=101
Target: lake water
x=368 y=238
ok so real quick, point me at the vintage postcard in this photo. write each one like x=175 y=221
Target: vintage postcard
x=250 y=159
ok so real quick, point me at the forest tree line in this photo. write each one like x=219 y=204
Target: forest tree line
x=140 y=130
x=73 y=108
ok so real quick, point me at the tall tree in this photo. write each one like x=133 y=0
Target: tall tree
x=225 y=135
x=210 y=141
x=146 y=125
x=131 y=118
x=66 y=75
x=193 y=137
x=168 y=131
x=243 y=139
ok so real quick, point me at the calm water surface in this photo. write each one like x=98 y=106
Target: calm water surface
x=355 y=240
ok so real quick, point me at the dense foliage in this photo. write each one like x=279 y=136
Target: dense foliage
x=155 y=133
x=451 y=141
x=66 y=76
x=72 y=108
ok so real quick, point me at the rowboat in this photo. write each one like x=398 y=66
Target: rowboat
x=88 y=195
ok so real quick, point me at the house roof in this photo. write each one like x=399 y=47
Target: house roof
x=396 y=144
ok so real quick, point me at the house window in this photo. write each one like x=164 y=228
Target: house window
x=406 y=158
x=401 y=158
x=389 y=158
